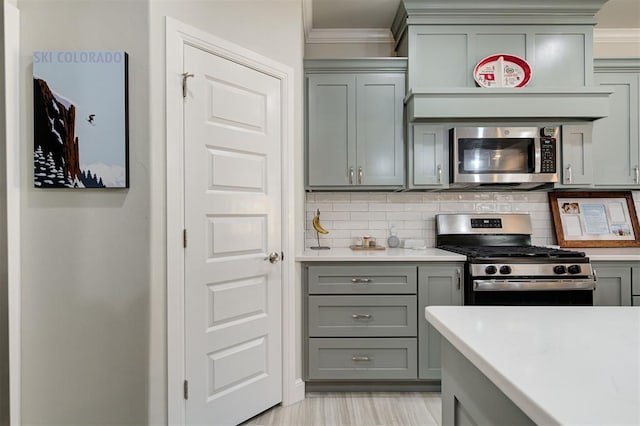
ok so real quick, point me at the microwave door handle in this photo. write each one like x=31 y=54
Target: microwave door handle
x=537 y=166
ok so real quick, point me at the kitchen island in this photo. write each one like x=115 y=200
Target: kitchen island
x=539 y=365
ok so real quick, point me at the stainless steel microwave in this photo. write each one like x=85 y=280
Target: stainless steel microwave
x=524 y=157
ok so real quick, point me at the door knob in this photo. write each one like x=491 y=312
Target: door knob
x=274 y=257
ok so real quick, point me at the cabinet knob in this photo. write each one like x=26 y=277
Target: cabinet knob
x=637 y=172
x=350 y=175
x=439 y=173
x=360 y=280
x=569 y=174
x=360 y=175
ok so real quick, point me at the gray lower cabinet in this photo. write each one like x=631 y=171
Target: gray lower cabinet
x=354 y=123
x=349 y=316
x=613 y=287
x=635 y=285
x=362 y=278
x=362 y=358
x=365 y=321
x=437 y=285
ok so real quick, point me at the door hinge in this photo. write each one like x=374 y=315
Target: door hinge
x=185 y=75
x=184 y=238
x=186 y=389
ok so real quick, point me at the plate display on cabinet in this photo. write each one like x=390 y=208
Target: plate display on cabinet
x=502 y=70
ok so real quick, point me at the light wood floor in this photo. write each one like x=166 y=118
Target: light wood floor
x=356 y=408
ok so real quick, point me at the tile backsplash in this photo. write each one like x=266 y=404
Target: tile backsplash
x=350 y=215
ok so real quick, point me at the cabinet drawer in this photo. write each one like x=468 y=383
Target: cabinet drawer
x=362 y=358
x=370 y=316
x=362 y=279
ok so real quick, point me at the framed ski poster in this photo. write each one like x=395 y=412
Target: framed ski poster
x=80 y=119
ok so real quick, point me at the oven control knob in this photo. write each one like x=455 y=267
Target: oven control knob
x=490 y=270
x=574 y=269
x=559 y=269
x=505 y=269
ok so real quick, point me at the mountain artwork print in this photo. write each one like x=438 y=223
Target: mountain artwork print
x=80 y=119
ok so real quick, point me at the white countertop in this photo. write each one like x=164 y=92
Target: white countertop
x=630 y=254
x=430 y=254
x=560 y=365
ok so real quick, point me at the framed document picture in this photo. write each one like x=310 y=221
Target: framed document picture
x=595 y=219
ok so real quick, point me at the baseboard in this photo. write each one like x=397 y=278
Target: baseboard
x=294 y=393
x=373 y=386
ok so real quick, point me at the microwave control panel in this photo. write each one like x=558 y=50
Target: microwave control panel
x=547 y=155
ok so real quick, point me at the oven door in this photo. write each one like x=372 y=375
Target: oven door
x=540 y=292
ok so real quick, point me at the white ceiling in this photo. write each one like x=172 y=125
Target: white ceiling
x=340 y=14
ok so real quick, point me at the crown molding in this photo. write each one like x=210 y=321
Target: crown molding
x=616 y=35
x=350 y=35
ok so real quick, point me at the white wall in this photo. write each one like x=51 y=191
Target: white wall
x=86 y=253
x=94 y=282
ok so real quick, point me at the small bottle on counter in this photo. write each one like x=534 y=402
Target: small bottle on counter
x=393 y=241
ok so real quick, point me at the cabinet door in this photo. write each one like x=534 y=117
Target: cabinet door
x=380 y=142
x=331 y=130
x=616 y=142
x=613 y=287
x=577 y=156
x=437 y=285
x=428 y=157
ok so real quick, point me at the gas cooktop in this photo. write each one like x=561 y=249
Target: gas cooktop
x=511 y=251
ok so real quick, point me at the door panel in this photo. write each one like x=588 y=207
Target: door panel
x=232 y=216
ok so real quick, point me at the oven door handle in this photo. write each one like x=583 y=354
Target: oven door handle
x=533 y=285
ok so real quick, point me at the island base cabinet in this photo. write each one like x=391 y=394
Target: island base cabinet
x=470 y=398
x=362 y=358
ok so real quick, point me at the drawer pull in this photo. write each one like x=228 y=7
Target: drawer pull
x=360 y=358
x=361 y=316
x=360 y=280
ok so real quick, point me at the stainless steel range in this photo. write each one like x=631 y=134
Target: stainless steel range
x=503 y=268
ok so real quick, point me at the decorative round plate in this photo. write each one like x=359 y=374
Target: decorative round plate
x=502 y=71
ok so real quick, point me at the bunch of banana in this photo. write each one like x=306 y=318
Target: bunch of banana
x=316 y=223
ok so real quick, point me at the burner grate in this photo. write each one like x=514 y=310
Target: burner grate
x=511 y=251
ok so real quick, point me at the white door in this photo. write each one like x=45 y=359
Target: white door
x=232 y=192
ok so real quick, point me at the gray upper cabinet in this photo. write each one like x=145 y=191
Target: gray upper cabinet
x=576 y=169
x=428 y=159
x=354 y=123
x=331 y=135
x=616 y=138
